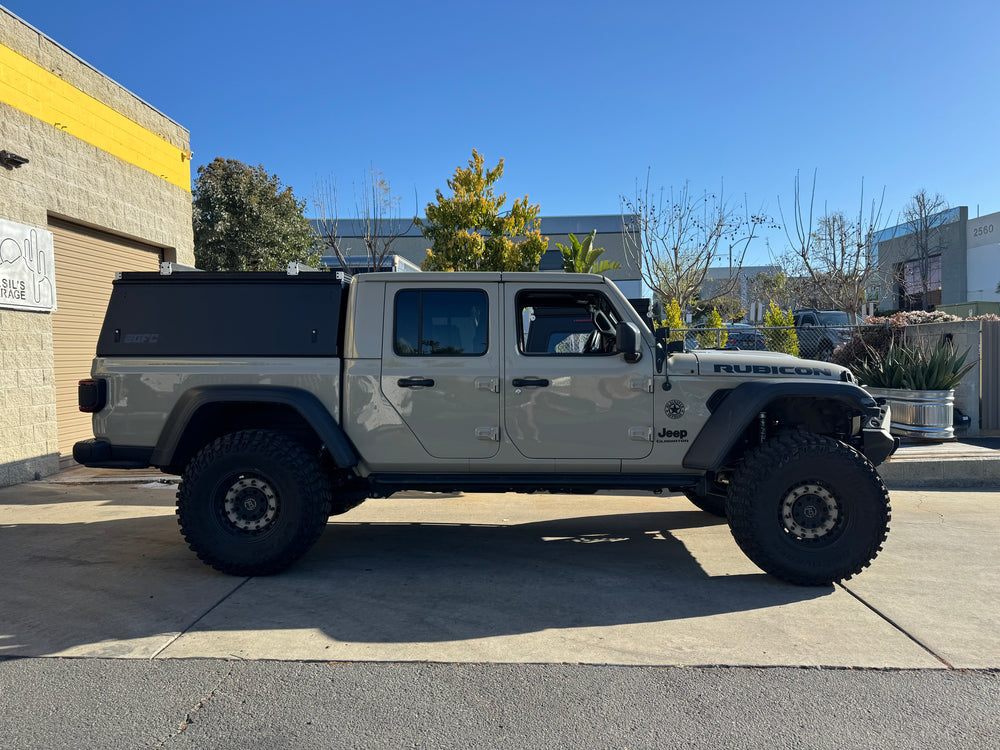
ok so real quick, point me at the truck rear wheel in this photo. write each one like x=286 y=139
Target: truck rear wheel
x=252 y=502
x=808 y=509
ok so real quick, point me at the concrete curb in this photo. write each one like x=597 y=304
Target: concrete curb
x=973 y=473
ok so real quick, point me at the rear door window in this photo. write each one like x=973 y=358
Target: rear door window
x=441 y=322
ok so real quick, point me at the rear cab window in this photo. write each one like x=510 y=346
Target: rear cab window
x=441 y=323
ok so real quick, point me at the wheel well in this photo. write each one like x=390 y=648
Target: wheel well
x=815 y=414
x=822 y=416
x=212 y=421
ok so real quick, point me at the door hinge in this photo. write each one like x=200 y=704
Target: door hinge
x=641 y=434
x=643 y=385
x=488 y=384
x=487 y=433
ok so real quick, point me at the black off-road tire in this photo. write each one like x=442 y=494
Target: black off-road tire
x=713 y=504
x=251 y=503
x=808 y=509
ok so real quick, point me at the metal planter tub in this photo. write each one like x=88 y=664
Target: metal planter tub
x=919 y=414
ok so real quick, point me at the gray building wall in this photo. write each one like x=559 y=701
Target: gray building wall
x=413 y=246
x=898 y=247
x=67 y=177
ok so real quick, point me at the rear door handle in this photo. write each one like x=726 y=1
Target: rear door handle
x=529 y=383
x=415 y=383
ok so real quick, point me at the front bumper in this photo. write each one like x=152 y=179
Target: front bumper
x=876 y=441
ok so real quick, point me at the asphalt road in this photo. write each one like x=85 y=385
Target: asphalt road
x=96 y=703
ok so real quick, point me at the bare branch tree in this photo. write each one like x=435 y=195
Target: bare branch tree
x=675 y=237
x=838 y=259
x=924 y=218
x=377 y=212
x=328 y=219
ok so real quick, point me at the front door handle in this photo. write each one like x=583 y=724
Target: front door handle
x=415 y=383
x=529 y=383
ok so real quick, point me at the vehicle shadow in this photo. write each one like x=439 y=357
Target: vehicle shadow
x=84 y=587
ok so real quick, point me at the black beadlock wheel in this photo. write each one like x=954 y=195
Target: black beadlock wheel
x=714 y=504
x=808 y=509
x=253 y=502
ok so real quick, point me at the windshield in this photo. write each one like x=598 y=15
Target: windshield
x=833 y=319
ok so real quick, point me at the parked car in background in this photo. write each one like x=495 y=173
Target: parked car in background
x=744 y=336
x=821 y=331
x=739 y=336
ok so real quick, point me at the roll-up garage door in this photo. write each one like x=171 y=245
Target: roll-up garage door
x=86 y=261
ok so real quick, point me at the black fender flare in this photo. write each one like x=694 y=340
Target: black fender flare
x=305 y=403
x=743 y=403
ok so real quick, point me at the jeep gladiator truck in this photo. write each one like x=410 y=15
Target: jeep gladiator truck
x=283 y=399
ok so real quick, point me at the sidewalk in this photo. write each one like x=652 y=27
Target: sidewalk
x=101 y=570
x=972 y=462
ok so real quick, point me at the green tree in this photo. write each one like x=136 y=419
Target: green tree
x=779 y=331
x=469 y=231
x=730 y=308
x=246 y=220
x=582 y=257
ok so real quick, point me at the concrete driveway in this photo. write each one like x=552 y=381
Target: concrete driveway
x=101 y=570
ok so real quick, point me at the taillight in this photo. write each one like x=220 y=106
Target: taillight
x=92 y=395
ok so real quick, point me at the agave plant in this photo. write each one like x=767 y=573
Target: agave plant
x=913 y=368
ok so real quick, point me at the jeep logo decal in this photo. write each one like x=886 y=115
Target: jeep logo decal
x=773 y=370
x=672 y=436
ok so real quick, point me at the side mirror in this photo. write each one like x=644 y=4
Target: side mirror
x=628 y=341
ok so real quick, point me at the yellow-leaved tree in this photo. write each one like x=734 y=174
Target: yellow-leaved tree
x=674 y=321
x=779 y=331
x=471 y=231
x=714 y=334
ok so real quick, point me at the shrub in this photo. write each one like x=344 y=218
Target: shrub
x=880 y=333
x=779 y=331
x=716 y=336
x=675 y=321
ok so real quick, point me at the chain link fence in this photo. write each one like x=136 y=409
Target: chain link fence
x=808 y=342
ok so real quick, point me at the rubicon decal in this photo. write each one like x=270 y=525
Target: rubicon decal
x=774 y=370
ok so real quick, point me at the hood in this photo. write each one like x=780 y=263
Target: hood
x=743 y=364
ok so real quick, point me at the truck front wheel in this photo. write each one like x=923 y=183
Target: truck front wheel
x=808 y=509
x=714 y=504
x=253 y=502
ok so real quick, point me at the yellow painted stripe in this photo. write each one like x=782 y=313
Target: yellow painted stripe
x=35 y=91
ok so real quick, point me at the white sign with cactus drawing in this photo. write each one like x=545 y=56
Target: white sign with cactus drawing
x=27 y=268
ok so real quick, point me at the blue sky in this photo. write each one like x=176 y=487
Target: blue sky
x=578 y=98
